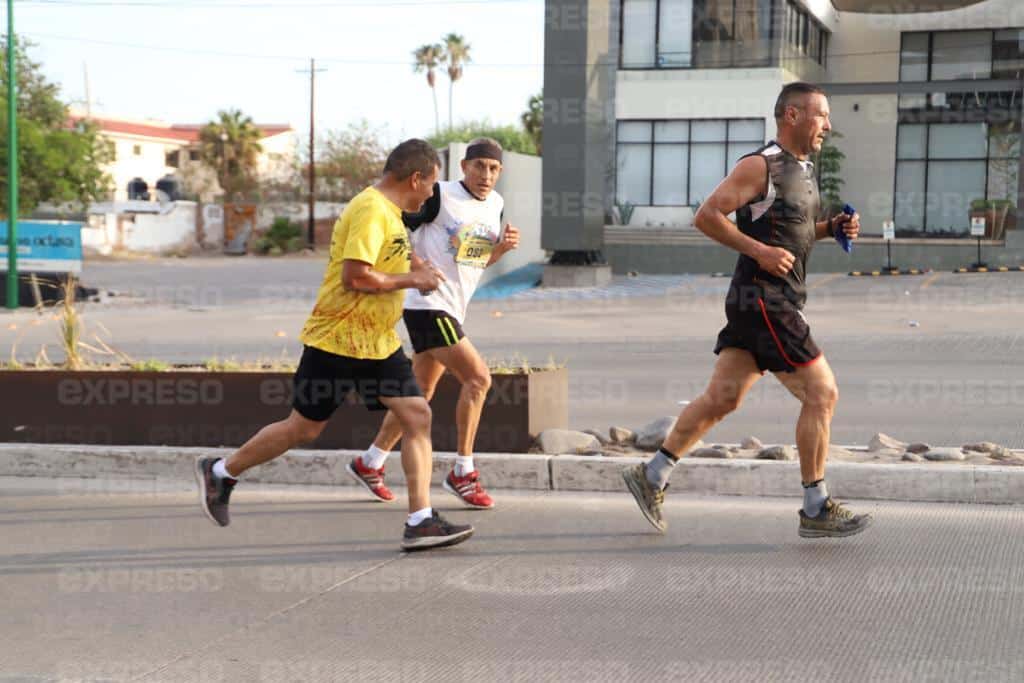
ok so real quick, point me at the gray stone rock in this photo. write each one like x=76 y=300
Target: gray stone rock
x=776 y=453
x=710 y=453
x=556 y=441
x=918 y=448
x=982 y=447
x=1002 y=454
x=601 y=438
x=881 y=442
x=751 y=443
x=912 y=457
x=651 y=436
x=944 y=455
x=622 y=435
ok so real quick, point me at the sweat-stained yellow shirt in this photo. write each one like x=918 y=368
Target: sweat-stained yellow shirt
x=354 y=324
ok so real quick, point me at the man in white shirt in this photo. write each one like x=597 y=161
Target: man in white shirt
x=459 y=232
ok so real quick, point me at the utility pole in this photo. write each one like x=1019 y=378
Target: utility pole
x=12 y=164
x=88 y=93
x=310 y=236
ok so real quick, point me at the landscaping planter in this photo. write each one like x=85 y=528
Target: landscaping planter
x=199 y=408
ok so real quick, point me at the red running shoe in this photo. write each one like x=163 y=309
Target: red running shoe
x=468 y=490
x=372 y=480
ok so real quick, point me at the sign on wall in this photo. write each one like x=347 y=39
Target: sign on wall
x=45 y=247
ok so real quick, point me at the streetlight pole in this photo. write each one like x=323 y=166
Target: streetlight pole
x=12 y=164
x=311 y=226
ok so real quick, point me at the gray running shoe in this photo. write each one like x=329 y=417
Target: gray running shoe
x=647 y=497
x=214 y=493
x=834 y=520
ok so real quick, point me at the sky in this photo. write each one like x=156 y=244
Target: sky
x=181 y=61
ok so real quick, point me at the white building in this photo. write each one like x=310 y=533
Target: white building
x=151 y=150
x=675 y=91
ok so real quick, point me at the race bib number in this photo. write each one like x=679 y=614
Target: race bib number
x=474 y=250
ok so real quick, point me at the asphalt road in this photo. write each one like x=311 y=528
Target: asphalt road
x=934 y=358
x=126 y=580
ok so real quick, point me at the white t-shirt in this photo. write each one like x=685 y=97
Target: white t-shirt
x=457 y=233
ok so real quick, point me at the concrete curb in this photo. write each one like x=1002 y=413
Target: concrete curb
x=947 y=483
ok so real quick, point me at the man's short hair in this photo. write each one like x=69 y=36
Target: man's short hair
x=792 y=92
x=411 y=156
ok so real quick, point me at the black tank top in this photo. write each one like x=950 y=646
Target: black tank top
x=785 y=218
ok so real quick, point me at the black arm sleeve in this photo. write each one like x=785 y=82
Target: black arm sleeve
x=427 y=213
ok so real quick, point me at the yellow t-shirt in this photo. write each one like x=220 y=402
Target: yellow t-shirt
x=355 y=324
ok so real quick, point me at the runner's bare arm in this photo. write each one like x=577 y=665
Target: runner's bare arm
x=509 y=241
x=747 y=183
x=851 y=226
x=360 y=276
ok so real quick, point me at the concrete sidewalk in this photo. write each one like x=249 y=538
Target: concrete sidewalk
x=309 y=586
x=947 y=483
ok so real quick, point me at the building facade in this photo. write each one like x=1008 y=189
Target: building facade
x=152 y=150
x=928 y=108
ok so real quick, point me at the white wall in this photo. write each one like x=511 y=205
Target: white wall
x=150 y=164
x=521 y=187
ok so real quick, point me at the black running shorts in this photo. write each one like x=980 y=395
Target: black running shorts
x=323 y=381
x=769 y=326
x=431 y=329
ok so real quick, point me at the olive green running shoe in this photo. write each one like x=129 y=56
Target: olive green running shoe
x=647 y=497
x=834 y=520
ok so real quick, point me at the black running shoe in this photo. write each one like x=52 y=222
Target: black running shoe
x=834 y=520
x=214 y=492
x=434 y=532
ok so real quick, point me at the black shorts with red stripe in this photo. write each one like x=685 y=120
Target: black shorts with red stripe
x=763 y=321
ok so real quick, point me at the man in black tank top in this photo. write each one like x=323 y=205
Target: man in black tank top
x=774 y=195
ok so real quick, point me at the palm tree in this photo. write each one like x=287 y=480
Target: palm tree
x=456 y=55
x=428 y=58
x=230 y=145
x=533 y=120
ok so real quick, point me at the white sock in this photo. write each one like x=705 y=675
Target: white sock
x=220 y=471
x=374 y=457
x=463 y=465
x=418 y=516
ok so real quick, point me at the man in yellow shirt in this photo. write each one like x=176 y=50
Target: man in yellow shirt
x=351 y=345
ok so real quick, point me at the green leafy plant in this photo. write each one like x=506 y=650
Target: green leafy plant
x=283 y=236
x=829 y=164
x=625 y=212
x=150 y=365
x=511 y=138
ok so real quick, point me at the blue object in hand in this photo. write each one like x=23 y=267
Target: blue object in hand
x=844 y=241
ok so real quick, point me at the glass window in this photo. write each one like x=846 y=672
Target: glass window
x=634 y=174
x=961 y=54
x=634 y=131
x=708 y=131
x=912 y=141
x=909 y=211
x=1003 y=179
x=957 y=141
x=676 y=33
x=752 y=131
x=1008 y=54
x=670 y=175
x=914 y=57
x=1004 y=139
x=952 y=185
x=671 y=131
x=707 y=169
x=639 y=23
x=689 y=158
